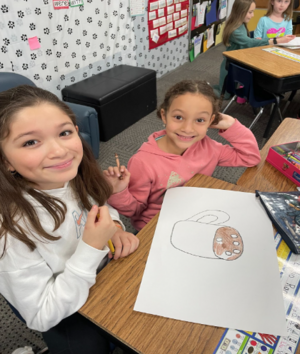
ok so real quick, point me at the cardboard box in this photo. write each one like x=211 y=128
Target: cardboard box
x=286 y=159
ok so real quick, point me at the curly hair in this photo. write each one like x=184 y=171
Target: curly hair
x=195 y=87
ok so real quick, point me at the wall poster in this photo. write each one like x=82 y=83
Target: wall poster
x=167 y=20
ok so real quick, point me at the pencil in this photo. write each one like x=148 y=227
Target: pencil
x=111 y=247
x=110 y=244
x=118 y=164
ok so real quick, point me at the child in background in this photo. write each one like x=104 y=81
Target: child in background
x=236 y=35
x=171 y=157
x=277 y=22
x=51 y=244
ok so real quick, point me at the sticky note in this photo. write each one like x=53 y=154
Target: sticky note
x=34 y=43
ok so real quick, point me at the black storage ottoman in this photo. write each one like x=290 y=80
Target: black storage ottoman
x=121 y=96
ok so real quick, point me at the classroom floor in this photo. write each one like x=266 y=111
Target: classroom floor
x=13 y=333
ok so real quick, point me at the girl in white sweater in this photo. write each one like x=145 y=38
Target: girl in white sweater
x=51 y=241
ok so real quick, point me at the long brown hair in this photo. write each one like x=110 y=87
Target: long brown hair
x=14 y=205
x=288 y=13
x=236 y=19
x=195 y=87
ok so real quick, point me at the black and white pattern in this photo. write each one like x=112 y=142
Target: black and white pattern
x=79 y=42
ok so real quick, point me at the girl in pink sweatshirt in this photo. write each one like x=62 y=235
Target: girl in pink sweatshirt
x=174 y=155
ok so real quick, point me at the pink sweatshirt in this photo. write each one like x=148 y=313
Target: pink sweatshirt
x=153 y=171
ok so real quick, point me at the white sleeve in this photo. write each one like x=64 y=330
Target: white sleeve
x=42 y=298
x=115 y=215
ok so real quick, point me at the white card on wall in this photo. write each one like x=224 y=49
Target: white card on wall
x=137 y=7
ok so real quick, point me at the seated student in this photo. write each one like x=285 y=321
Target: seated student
x=52 y=240
x=236 y=35
x=277 y=22
x=171 y=157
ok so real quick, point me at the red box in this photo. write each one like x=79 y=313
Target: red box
x=286 y=159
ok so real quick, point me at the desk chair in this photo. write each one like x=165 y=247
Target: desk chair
x=239 y=82
x=86 y=117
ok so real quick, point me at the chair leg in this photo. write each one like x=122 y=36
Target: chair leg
x=229 y=104
x=256 y=118
x=279 y=113
x=43 y=351
x=272 y=117
x=292 y=95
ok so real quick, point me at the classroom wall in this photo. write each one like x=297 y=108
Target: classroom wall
x=79 y=42
x=258 y=13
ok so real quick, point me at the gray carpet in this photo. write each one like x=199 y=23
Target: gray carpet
x=13 y=333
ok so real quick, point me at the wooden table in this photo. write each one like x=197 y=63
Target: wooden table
x=264 y=176
x=111 y=300
x=271 y=72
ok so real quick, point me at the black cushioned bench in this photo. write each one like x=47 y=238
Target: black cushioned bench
x=121 y=96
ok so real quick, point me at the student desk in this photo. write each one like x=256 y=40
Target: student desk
x=111 y=300
x=264 y=176
x=271 y=72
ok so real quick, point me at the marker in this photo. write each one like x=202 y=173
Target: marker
x=293 y=162
x=118 y=165
x=110 y=244
x=296 y=156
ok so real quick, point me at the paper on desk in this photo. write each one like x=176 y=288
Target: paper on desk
x=185 y=280
x=293 y=43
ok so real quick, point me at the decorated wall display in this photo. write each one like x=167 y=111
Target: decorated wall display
x=167 y=20
x=207 y=17
x=56 y=47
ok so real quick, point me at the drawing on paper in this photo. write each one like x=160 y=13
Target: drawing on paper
x=218 y=240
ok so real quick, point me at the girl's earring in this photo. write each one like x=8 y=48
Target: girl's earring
x=164 y=125
x=13 y=172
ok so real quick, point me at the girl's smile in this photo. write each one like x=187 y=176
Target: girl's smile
x=43 y=146
x=61 y=165
x=187 y=120
x=185 y=138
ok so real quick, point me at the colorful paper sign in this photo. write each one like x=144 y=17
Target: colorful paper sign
x=169 y=17
x=34 y=43
x=60 y=4
x=74 y=3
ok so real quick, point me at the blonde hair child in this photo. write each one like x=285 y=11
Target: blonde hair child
x=51 y=241
x=172 y=156
x=236 y=35
x=277 y=22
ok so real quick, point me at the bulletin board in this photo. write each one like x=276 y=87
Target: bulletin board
x=167 y=20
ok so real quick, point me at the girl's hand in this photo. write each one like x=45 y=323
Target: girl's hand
x=225 y=122
x=98 y=231
x=112 y=175
x=285 y=39
x=125 y=243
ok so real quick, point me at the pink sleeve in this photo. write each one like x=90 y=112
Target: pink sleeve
x=133 y=200
x=244 y=150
